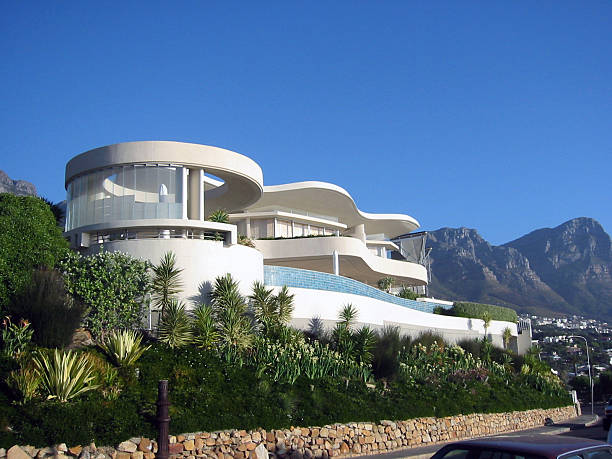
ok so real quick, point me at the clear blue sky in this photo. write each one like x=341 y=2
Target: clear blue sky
x=490 y=115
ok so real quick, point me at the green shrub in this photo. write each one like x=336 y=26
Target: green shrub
x=406 y=292
x=112 y=285
x=479 y=311
x=54 y=315
x=29 y=239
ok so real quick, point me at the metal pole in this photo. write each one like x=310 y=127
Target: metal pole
x=588 y=365
x=163 y=420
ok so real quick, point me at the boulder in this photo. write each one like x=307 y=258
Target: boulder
x=15 y=452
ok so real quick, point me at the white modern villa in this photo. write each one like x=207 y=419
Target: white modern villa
x=148 y=198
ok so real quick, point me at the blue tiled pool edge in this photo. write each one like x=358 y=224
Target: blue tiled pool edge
x=278 y=276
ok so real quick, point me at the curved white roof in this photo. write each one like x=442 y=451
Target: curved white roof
x=242 y=177
x=328 y=199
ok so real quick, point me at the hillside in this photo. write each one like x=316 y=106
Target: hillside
x=18 y=187
x=562 y=270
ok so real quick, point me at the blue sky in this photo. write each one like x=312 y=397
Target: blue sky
x=491 y=115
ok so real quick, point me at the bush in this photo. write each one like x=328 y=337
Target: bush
x=112 y=285
x=123 y=347
x=54 y=315
x=479 y=311
x=29 y=238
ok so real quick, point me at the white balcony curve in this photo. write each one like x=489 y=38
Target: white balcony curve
x=329 y=199
x=355 y=260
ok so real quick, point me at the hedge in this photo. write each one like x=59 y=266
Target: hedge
x=477 y=311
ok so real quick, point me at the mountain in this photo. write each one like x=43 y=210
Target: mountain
x=562 y=270
x=18 y=187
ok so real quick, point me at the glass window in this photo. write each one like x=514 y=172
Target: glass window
x=299 y=229
x=283 y=228
x=125 y=193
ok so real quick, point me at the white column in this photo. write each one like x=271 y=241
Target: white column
x=202 y=214
x=247 y=224
x=184 y=192
x=336 y=262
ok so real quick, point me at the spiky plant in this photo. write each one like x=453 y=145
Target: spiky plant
x=385 y=283
x=364 y=341
x=166 y=281
x=65 y=374
x=284 y=305
x=175 y=327
x=316 y=329
x=348 y=315
x=235 y=331
x=507 y=336
x=25 y=383
x=219 y=216
x=123 y=347
x=204 y=328
x=264 y=304
x=226 y=294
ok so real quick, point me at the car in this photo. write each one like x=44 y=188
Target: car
x=526 y=447
x=608 y=417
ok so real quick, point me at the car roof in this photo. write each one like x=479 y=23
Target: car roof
x=541 y=445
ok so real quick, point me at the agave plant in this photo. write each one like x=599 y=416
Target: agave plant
x=65 y=374
x=175 y=328
x=123 y=347
x=204 y=328
x=219 y=216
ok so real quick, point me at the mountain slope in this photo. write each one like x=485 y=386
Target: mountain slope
x=561 y=270
x=18 y=187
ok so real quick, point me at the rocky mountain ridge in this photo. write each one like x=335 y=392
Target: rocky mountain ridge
x=18 y=187
x=561 y=270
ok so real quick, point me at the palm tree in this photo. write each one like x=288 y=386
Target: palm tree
x=284 y=305
x=263 y=303
x=174 y=328
x=486 y=318
x=229 y=309
x=204 y=327
x=166 y=281
x=507 y=336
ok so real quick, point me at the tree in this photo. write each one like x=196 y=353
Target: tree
x=112 y=285
x=385 y=283
x=29 y=239
x=166 y=282
x=486 y=319
x=507 y=336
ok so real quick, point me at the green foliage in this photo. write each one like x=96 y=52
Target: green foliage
x=29 y=239
x=273 y=312
x=56 y=210
x=386 y=352
x=230 y=313
x=166 y=283
x=204 y=328
x=480 y=311
x=65 y=374
x=406 y=292
x=123 y=347
x=25 y=383
x=507 y=336
x=15 y=337
x=247 y=241
x=112 y=285
x=54 y=315
x=175 y=326
x=219 y=216
x=385 y=283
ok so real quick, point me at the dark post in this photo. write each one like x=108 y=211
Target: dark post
x=163 y=420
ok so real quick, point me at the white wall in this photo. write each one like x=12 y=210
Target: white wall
x=202 y=261
x=326 y=305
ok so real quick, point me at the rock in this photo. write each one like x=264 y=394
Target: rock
x=62 y=447
x=15 y=452
x=261 y=452
x=2 y=452
x=137 y=455
x=123 y=455
x=145 y=445
x=127 y=447
x=85 y=454
x=189 y=445
x=175 y=448
x=75 y=450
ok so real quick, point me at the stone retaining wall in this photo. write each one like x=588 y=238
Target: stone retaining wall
x=310 y=442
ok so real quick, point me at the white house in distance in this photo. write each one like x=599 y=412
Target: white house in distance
x=148 y=198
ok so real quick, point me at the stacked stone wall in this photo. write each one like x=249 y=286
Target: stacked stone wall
x=309 y=442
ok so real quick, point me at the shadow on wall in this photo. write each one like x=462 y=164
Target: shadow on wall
x=203 y=296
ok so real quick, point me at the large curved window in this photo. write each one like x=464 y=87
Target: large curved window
x=125 y=193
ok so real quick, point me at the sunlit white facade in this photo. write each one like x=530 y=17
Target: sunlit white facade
x=147 y=198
